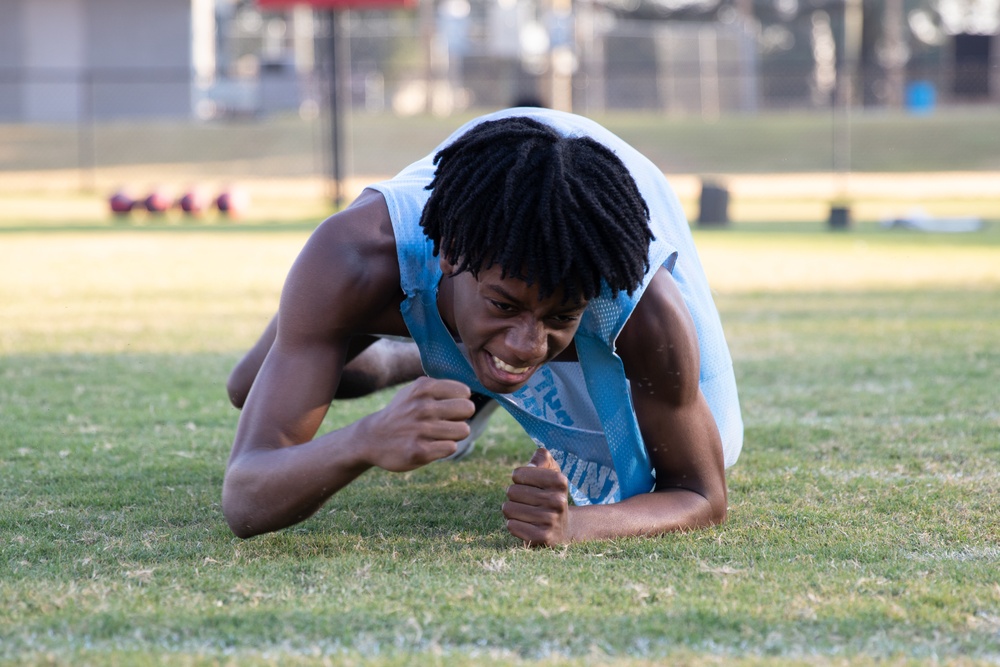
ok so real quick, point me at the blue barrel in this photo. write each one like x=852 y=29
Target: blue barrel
x=920 y=97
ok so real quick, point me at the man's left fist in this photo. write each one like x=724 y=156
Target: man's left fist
x=537 y=507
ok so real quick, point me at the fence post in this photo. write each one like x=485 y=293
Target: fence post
x=86 y=133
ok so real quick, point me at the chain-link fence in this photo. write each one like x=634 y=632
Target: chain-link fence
x=280 y=125
x=699 y=99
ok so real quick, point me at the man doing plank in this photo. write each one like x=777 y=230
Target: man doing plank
x=537 y=262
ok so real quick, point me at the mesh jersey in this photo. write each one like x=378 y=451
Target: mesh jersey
x=581 y=411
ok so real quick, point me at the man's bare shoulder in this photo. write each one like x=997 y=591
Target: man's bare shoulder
x=660 y=339
x=346 y=278
x=362 y=228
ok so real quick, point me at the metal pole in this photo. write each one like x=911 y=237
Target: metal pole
x=87 y=133
x=846 y=94
x=335 y=139
x=426 y=9
x=892 y=26
x=748 y=56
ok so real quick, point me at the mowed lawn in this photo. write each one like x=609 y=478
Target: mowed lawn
x=863 y=525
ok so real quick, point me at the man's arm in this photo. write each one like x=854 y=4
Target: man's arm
x=342 y=285
x=659 y=350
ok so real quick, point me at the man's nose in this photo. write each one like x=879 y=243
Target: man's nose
x=527 y=340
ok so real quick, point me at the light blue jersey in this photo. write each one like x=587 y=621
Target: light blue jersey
x=581 y=411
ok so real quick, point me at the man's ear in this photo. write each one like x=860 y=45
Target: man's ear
x=447 y=268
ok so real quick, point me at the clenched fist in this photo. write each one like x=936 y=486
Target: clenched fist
x=537 y=507
x=421 y=424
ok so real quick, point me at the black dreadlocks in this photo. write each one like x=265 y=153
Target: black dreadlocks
x=559 y=212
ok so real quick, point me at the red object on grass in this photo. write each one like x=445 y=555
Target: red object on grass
x=158 y=202
x=232 y=202
x=193 y=202
x=121 y=203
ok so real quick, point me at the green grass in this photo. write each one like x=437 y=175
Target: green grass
x=863 y=513
x=952 y=139
x=58 y=174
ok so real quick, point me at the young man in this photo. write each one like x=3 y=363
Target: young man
x=535 y=260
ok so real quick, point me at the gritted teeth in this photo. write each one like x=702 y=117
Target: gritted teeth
x=507 y=368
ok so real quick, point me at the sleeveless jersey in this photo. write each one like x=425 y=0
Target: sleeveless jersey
x=581 y=411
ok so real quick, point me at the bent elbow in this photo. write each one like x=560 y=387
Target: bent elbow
x=718 y=506
x=239 y=527
x=238 y=523
x=711 y=510
x=241 y=531
x=718 y=515
x=236 y=510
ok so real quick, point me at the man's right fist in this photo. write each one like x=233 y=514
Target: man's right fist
x=421 y=424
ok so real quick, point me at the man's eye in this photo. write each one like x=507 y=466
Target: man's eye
x=501 y=306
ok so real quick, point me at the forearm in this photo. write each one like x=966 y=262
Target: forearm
x=269 y=489
x=647 y=514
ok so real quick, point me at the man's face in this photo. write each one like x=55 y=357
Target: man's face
x=508 y=331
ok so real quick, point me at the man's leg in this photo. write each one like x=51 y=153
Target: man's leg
x=243 y=374
x=376 y=363
x=372 y=364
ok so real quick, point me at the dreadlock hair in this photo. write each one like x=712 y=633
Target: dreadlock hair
x=559 y=212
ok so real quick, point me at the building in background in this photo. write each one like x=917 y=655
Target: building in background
x=63 y=60
x=73 y=60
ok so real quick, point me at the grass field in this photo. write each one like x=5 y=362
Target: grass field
x=776 y=165
x=955 y=139
x=863 y=520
